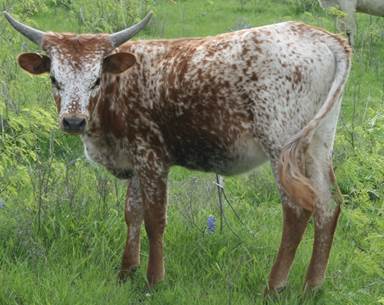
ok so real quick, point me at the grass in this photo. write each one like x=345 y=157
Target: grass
x=62 y=230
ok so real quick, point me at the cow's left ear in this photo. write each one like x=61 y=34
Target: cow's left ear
x=119 y=62
x=34 y=63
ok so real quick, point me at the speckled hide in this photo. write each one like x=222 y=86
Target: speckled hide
x=222 y=104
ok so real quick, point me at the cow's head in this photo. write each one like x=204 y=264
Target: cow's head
x=76 y=64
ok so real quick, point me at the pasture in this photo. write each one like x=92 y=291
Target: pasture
x=62 y=229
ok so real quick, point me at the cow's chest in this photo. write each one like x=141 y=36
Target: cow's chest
x=112 y=153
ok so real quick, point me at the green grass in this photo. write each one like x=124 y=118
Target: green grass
x=62 y=229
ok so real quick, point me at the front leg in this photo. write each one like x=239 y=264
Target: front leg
x=155 y=221
x=134 y=213
x=153 y=181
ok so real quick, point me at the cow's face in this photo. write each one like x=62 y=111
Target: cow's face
x=76 y=65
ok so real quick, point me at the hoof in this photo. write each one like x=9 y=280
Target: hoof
x=270 y=292
x=124 y=275
x=313 y=286
x=312 y=290
x=154 y=282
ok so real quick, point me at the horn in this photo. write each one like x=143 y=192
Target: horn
x=119 y=38
x=32 y=34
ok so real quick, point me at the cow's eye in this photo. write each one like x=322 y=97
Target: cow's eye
x=96 y=83
x=54 y=82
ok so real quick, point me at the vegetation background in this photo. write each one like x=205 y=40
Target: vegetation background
x=62 y=227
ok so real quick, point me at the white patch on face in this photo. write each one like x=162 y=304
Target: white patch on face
x=76 y=84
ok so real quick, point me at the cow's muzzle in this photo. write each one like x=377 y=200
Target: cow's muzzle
x=73 y=124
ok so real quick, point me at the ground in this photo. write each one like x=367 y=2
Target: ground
x=62 y=227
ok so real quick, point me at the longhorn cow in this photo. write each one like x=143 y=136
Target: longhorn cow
x=222 y=104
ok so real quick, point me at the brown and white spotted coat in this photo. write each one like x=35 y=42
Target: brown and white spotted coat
x=222 y=104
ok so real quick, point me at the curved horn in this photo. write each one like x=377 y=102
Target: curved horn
x=32 y=34
x=120 y=37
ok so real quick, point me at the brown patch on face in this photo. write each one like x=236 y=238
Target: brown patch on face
x=57 y=102
x=77 y=46
x=111 y=88
x=92 y=105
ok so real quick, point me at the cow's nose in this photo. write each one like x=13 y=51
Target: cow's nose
x=74 y=124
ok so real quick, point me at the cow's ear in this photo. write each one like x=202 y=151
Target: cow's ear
x=34 y=63
x=119 y=62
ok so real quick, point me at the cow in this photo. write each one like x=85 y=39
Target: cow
x=222 y=104
x=347 y=23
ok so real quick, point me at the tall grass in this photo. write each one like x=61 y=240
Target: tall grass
x=62 y=228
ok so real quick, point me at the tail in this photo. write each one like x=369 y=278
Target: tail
x=292 y=171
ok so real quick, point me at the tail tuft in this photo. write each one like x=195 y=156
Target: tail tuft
x=293 y=178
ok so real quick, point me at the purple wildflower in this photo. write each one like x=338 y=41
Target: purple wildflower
x=211 y=224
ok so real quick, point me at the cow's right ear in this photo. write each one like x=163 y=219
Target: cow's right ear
x=34 y=63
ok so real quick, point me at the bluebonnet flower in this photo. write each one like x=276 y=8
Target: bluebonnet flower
x=211 y=224
x=2 y=204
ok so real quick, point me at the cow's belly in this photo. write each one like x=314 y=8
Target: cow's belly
x=112 y=154
x=247 y=154
x=241 y=156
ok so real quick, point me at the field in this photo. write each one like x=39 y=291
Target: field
x=62 y=228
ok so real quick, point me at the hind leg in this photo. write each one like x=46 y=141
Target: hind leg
x=294 y=224
x=319 y=170
x=326 y=217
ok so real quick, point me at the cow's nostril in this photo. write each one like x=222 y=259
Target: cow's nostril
x=74 y=124
x=66 y=123
x=81 y=124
